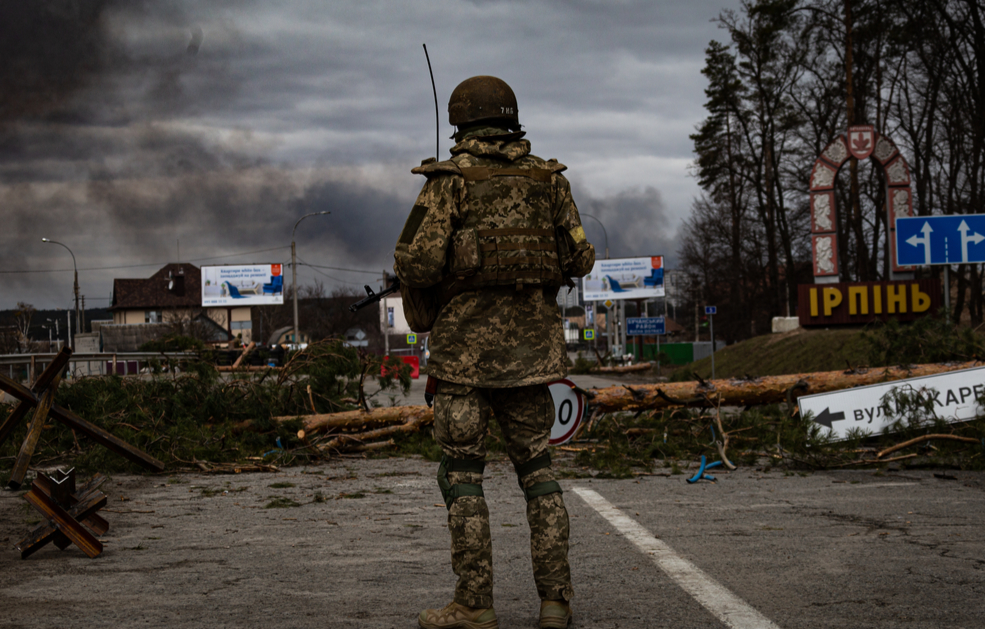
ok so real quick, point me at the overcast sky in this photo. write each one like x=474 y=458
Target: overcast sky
x=126 y=129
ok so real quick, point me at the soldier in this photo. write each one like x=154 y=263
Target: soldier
x=494 y=234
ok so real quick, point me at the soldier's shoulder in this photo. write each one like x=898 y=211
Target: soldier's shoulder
x=432 y=167
x=552 y=164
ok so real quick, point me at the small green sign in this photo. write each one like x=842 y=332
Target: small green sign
x=411 y=339
x=589 y=334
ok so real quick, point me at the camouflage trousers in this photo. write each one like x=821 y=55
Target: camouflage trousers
x=525 y=416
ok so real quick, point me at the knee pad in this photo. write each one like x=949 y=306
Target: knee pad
x=537 y=489
x=451 y=492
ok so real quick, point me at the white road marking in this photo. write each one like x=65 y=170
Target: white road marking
x=869 y=485
x=724 y=605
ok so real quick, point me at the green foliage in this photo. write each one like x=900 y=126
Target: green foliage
x=770 y=437
x=201 y=414
x=582 y=365
x=933 y=339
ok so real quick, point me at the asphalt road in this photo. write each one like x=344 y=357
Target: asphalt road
x=833 y=549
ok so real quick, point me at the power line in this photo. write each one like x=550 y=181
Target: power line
x=135 y=266
x=335 y=268
x=313 y=268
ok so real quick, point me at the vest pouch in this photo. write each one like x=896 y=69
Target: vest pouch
x=465 y=256
x=421 y=307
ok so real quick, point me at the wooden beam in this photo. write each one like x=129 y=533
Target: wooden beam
x=66 y=523
x=47 y=533
x=54 y=368
x=33 y=434
x=73 y=421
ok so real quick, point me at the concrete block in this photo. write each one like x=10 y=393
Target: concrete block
x=785 y=324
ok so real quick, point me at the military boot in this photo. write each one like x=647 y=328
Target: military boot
x=456 y=616
x=555 y=614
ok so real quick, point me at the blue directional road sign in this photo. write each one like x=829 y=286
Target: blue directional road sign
x=952 y=239
x=711 y=310
x=645 y=326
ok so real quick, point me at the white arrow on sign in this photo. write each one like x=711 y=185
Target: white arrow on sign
x=955 y=396
x=916 y=241
x=975 y=238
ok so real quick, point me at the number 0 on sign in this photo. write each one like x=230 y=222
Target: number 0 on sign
x=569 y=409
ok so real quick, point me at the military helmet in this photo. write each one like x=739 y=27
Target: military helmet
x=483 y=98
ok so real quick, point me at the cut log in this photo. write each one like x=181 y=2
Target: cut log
x=766 y=390
x=357 y=420
x=625 y=368
x=413 y=424
x=242 y=357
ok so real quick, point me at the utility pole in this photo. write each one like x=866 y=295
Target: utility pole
x=294 y=274
x=78 y=316
x=386 y=322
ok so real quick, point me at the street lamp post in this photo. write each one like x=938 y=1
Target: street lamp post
x=78 y=316
x=294 y=274
x=608 y=313
x=605 y=233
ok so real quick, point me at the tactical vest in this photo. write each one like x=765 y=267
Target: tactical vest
x=508 y=237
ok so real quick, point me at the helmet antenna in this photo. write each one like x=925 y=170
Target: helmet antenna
x=437 y=125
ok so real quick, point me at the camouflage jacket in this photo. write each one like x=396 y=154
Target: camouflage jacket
x=500 y=336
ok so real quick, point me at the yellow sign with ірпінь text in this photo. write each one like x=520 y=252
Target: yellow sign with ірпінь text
x=862 y=302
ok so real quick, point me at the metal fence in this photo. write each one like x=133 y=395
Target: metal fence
x=25 y=367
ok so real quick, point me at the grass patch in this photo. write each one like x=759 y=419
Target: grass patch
x=281 y=485
x=282 y=503
x=353 y=496
x=802 y=351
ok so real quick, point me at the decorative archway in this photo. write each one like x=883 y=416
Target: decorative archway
x=861 y=142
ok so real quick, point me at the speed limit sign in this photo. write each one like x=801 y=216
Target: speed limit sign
x=569 y=409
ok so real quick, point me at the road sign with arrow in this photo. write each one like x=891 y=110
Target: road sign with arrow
x=955 y=397
x=952 y=239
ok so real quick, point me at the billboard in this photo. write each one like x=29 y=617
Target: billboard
x=243 y=285
x=625 y=278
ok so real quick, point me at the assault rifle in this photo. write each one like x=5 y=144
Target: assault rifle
x=374 y=298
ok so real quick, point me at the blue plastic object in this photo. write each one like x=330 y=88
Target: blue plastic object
x=279 y=448
x=701 y=471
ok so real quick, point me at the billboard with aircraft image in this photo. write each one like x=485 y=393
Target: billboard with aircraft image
x=625 y=278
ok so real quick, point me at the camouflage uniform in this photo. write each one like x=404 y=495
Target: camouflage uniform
x=493 y=350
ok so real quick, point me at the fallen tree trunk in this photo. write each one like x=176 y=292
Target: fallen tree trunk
x=726 y=392
x=625 y=368
x=756 y=391
x=359 y=420
x=346 y=440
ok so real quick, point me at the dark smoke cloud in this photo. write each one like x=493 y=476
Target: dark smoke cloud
x=637 y=223
x=49 y=51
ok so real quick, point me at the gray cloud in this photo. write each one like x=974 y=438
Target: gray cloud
x=126 y=126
